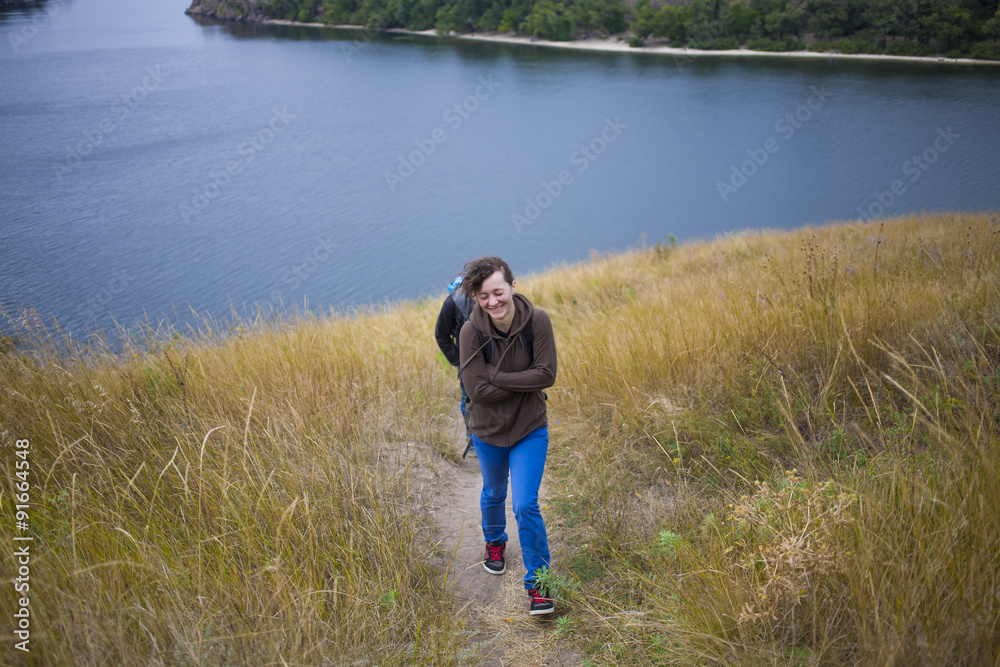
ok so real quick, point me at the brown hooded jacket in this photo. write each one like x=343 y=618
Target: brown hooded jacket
x=505 y=395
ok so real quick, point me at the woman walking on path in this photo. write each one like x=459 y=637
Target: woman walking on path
x=508 y=356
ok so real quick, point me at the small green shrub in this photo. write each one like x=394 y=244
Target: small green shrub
x=910 y=49
x=558 y=587
x=668 y=542
x=778 y=45
x=985 y=51
x=726 y=44
x=858 y=45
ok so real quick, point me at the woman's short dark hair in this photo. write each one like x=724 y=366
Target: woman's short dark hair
x=478 y=270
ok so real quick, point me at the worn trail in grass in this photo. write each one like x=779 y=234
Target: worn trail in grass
x=494 y=608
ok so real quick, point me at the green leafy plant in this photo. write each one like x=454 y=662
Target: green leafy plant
x=565 y=627
x=559 y=587
x=668 y=541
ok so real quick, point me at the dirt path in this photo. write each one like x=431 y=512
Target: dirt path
x=496 y=607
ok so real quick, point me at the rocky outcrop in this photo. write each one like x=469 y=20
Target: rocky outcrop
x=230 y=10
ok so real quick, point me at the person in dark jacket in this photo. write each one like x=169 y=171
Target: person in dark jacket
x=508 y=357
x=455 y=311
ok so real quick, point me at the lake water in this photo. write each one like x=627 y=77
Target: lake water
x=155 y=164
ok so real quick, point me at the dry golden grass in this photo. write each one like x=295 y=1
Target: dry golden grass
x=246 y=496
x=240 y=501
x=694 y=380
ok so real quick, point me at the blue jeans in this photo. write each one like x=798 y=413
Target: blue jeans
x=525 y=462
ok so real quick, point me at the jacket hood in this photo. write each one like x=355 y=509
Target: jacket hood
x=522 y=315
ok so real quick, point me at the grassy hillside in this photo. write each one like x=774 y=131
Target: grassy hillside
x=782 y=447
x=777 y=447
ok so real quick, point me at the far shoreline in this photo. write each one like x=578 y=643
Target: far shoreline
x=620 y=45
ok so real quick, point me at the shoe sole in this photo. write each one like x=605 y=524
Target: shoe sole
x=495 y=571
x=542 y=612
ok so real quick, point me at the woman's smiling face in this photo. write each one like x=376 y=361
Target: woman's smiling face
x=495 y=298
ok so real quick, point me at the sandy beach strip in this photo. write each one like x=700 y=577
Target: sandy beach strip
x=620 y=45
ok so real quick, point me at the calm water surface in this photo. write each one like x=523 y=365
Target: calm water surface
x=155 y=165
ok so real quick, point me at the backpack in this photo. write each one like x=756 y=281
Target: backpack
x=463 y=305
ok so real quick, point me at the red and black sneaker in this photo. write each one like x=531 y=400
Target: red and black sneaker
x=493 y=560
x=540 y=603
